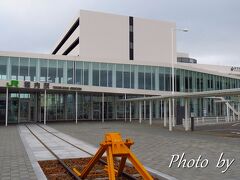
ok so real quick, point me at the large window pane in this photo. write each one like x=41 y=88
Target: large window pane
x=14 y=67
x=70 y=72
x=141 y=77
x=186 y=81
x=177 y=80
x=153 y=78
x=161 y=79
x=103 y=75
x=148 y=79
x=95 y=75
x=126 y=76
x=86 y=73
x=23 y=75
x=190 y=79
x=119 y=76
x=132 y=76
x=79 y=72
x=32 y=69
x=110 y=73
x=3 y=67
x=168 y=79
x=60 y=71
x=43 y=70
x=52 y=71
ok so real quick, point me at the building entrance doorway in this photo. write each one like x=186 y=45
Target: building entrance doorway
x=24 y=111
x=23 y=108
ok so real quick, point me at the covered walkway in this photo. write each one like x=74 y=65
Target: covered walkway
x=169 y=100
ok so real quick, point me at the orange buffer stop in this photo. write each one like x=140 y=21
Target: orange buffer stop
x=114 y=146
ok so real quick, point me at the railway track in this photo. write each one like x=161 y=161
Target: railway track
x=61 y=161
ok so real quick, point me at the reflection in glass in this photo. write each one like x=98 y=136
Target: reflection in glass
x=148 y=81
x=110 y=73
x=32 y=69
x=60 y=71
x=141 y=77
x=86 y=73
x=70 y=72
x=95 y=75
x=52 y=71
x=103 y=75
x=119 y=76
x=43 y=70
x=14 y=67
x=126 y=76
x=23 y=75
x=3 y=67
x=132 y=76
x=79 y=71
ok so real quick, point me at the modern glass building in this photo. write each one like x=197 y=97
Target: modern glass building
x=81 y=82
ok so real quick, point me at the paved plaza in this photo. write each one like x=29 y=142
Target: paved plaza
x=14 y=161
x=154 y=146
x=56 y=141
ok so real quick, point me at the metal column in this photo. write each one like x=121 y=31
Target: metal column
x=157 y=107
x=65 y=106
x=144 y=110
x=102 y=107
x=19 y=113
x=140 y=111
x=238 y=111
x=125 y=108
x=130 y=111
x=6 y=115
x=186 y=115
x=170 y=115
x=173 y=112
x=136 y=109
x=91 y=107
x=116 y=106
x=45 y=107
x=161 y=110
x=165 y=113
x=76 y=106
x=228 y=113
x=150 y=112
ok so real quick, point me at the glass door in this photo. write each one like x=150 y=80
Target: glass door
x=13 y=109
x=24 y=111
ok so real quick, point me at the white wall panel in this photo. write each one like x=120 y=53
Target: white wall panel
x=153 y=41
x=104 y=36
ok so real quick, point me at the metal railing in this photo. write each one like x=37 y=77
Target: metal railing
x=212 y=120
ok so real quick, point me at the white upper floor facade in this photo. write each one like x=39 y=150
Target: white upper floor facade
x=115 y=38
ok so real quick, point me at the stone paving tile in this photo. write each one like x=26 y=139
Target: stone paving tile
x=13 y=157
x=59 y=147
x=154 y=146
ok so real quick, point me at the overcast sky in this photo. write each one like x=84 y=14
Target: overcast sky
x=214 y=36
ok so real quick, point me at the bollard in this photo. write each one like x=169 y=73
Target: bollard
x=192 y=121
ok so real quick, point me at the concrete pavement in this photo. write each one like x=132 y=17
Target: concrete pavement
x=155 y=145
x=14 y=161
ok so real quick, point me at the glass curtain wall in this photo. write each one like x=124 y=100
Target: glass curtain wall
x=111 y=75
